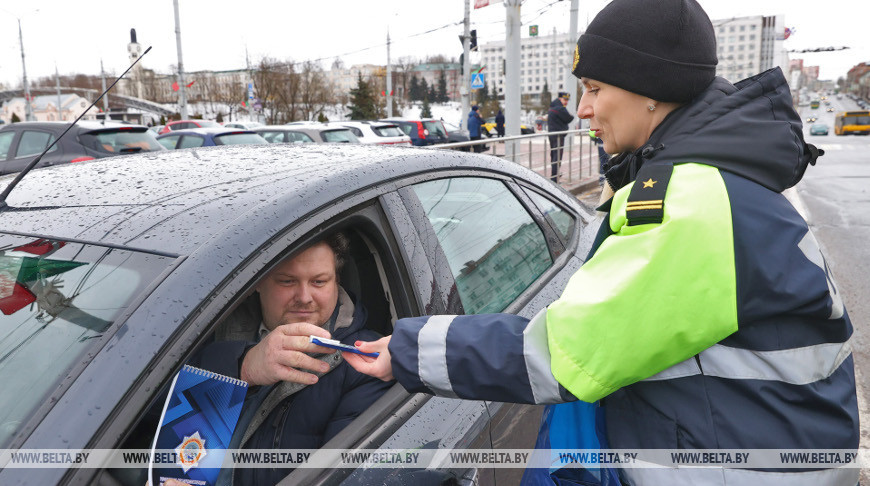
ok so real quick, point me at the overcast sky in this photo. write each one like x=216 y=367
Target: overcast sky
x=76 y=35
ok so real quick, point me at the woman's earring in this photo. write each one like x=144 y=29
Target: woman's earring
x=651 y=107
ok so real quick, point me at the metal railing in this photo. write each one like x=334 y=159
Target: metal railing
x=579 y=161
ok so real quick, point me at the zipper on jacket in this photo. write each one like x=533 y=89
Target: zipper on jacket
x=279 y=423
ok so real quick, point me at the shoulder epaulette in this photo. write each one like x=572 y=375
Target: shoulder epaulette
x=646 y=201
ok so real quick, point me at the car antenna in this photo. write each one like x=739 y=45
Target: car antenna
x=35 y=161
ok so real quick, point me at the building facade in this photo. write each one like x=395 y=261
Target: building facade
x=543 y=59
x=750 y=45
x=45 y=108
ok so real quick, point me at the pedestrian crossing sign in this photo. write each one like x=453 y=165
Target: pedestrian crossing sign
x=477 y=81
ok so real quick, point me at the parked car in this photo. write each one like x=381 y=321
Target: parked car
x=155 y=250
x=244 y=125
x=156 y=129
x=21 y=142
x=307 y=132
x=423 y=131
x=207 y=137
x=375 y=132
x=456 y=134
x=185 y=124
x=489 y=128
x=818 y=129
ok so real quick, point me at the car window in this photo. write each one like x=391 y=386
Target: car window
x=299 y=137
x=493 y=246
x=435 y=128
x=5 y=142
x=356 y=131
x=33 y=142
x=169 y=141
x=562 y=221
x=57 y=298
x=206 y=123
x=342 y=135
x=406 y=128
x=273 y=137
x=120 y=141
x=239 y=139
x=190 y=141
x=388 y=131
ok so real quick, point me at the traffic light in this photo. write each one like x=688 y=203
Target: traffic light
x=473 y=45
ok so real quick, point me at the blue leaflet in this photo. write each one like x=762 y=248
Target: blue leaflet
x=198 y=420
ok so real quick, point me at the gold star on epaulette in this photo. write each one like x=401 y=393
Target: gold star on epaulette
x=649 y=183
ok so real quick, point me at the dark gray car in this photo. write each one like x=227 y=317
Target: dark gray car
x=21 y=142
x=113 y=273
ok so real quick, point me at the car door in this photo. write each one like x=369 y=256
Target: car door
x=381 y=279
x=497 y=251
x=506 y=220
x=28 y=144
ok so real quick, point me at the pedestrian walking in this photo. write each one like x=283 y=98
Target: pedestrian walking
x=499 y=123
x=558 y=119
x=705 y=316
x=474 y=123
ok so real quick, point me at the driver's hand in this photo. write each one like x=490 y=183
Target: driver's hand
x=283 y=354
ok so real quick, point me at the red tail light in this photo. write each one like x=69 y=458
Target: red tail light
x=421 y=132
x=81 y=159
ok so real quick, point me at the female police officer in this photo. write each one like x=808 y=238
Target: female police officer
x=706 y=317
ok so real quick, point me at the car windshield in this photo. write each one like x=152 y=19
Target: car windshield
x=388 y=131
x=435 y=128
x=121 y=140
x=57 y=299
x=239 y=139
x=341 y=135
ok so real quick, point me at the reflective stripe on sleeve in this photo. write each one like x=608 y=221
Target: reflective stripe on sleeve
x=432 y=355
x=798 y=366
x=545 y=388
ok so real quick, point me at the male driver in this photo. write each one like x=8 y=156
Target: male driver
x=558 y=119
x=307 y=393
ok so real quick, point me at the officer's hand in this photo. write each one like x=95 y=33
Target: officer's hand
x=281 y=356
x=380 y=367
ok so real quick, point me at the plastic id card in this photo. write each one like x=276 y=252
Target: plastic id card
x=332 y=343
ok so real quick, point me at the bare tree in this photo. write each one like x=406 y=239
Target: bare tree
x=314 y=91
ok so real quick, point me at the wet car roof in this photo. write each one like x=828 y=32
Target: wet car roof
x=173 y=202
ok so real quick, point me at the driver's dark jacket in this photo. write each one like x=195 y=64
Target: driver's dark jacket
x=306 y=419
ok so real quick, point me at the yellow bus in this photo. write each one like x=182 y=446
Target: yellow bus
x=852 y=122
x=814 y=104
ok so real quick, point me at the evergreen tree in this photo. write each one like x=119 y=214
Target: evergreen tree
x=433 y=94
x=442 y=89
x=322 y=118
x=426 y=111
x=414 y=89
x=363 y=101
x=423 y=90
x=220 y=117
x=15 y=118
x=546 y=97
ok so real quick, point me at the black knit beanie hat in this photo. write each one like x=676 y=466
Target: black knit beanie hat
x=662 y=49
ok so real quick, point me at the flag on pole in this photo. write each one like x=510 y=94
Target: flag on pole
x=175 y=86
x=191 y=84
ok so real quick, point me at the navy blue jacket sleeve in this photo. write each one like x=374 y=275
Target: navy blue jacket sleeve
x=500 y=357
